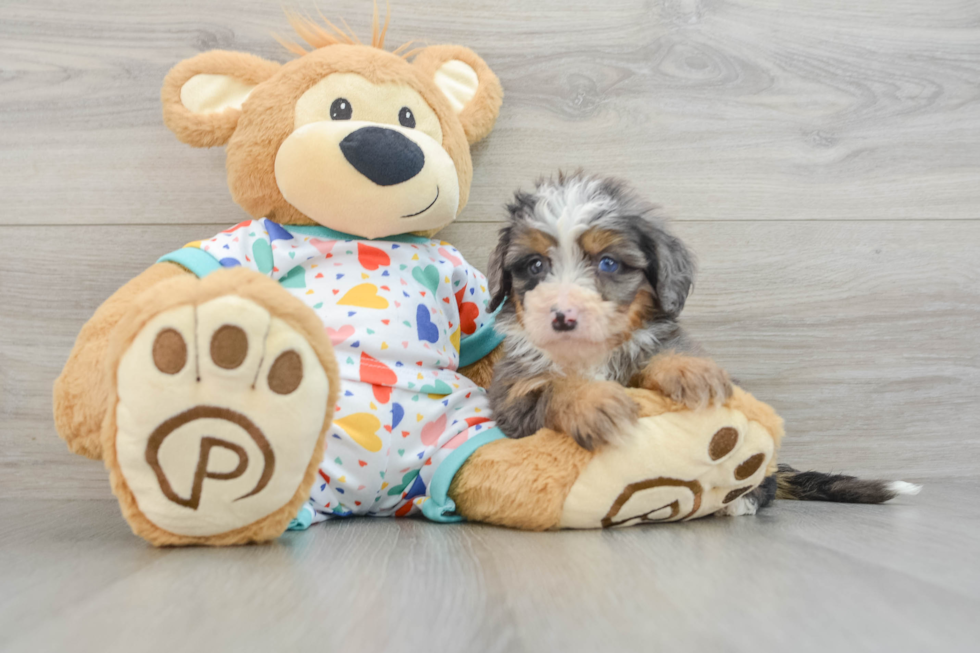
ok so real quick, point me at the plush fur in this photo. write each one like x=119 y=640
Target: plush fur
x=79 y=395
x=213 y=129
x=250 y=105
x=253 y=134
x=519 y=483
x=480 y=114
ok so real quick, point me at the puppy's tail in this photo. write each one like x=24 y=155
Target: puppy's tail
x=817 y=486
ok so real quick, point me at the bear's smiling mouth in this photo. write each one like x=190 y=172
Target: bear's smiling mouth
x=412 y=215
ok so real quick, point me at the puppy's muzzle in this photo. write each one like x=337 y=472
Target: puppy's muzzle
x=384 y=156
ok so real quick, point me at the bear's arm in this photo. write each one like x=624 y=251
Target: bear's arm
x=81 y=392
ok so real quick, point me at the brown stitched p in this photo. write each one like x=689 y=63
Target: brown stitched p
x=633 y=488
x=207 y=443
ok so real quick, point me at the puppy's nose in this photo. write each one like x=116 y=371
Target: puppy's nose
x=564 y=320
x=384 y=156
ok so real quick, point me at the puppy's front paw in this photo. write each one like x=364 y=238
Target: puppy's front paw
x=595 y=413
x=694 y=382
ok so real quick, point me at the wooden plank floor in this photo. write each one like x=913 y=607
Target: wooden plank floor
x=816 y=577
x=821 y=157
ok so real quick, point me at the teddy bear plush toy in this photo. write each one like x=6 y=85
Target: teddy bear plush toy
x=325 y=357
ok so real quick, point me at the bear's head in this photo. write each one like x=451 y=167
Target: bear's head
x=348 y=136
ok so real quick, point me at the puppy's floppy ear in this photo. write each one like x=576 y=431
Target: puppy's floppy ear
x=202 y=96
x=498 y=278
x=473 y=90
x=671 y=269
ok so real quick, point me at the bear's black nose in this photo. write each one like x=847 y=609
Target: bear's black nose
x=384 y=156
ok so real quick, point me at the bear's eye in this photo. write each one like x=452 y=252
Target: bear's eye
x=340 y=109
x=406 y=118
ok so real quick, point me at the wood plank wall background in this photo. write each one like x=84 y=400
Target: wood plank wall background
x=822 y=157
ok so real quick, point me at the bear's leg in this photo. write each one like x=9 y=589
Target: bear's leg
x=673 y=464
x=82 y=389
x=222 y=391
x=519 y=483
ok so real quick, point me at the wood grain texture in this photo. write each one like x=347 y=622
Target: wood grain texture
x=751 y=109
x=900 y=577
x=862 y=335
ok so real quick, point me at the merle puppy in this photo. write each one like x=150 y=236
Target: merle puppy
x=592 y=283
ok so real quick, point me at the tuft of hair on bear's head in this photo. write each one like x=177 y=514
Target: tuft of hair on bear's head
x=322 y=36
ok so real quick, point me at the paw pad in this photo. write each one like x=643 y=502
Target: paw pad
x=169 y=351
x=736 y=493
x=749 y=467
x=220 y=407
x=229 y=347
x=286 y=373
x=722 y=443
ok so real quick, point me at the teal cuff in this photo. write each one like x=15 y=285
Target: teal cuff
x=196 y=260
x=303 y=519
x=478 y=345
x=438 y=506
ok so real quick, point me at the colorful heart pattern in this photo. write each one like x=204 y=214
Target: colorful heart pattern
x=323 y=246
x=295 y=278
x=432 y=431
x=397 y=315
x=372 y=258
x=455 y=260
x=364 y=295
x=428 y=277
x=337 y=336
x=439 y=388
x=363 y=429
x=427 y=331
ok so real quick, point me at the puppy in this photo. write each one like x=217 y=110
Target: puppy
x=591 y=284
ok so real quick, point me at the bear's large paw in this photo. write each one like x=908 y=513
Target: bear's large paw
x=219 y=419
x=670 y=467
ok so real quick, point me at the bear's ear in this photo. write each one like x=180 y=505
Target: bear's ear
x=473 y=90
x=202 y=96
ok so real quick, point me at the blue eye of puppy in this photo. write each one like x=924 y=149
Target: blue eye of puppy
x=340 y=109
x=608 y=264
x=535 y=267
x=406 y=118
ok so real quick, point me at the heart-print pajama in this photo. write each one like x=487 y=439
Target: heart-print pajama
x=404 y=313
